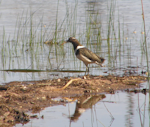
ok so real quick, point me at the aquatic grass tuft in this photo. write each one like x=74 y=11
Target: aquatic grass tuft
x=108 y=38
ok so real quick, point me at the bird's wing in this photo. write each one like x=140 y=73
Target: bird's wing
x=92 y=56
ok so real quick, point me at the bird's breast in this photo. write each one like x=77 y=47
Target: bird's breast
x=78 y=47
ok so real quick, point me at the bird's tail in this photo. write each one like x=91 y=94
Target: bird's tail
x=102 y=61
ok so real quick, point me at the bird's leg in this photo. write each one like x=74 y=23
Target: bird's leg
x=87 y=70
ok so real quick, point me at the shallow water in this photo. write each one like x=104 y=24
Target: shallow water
x=120 y=109
x=15 y=28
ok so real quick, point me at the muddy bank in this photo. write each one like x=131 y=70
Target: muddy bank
x=16 y=98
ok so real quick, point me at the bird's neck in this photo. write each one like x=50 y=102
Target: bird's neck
x=75 y=45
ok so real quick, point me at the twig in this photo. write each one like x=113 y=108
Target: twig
x=72 y=80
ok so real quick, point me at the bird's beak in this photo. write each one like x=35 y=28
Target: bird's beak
x=64 y=42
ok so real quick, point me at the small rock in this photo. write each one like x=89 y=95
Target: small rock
x=42 y=116
x=59 y=80
x=34 y=116
x=44 y=98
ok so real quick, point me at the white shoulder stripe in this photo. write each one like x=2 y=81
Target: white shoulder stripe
x=78 y=47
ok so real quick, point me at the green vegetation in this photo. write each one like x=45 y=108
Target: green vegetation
x=105 y=34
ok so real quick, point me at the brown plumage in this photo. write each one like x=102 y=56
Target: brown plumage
x=85 y=54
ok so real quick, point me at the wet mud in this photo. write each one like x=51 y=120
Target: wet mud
x=18 y=98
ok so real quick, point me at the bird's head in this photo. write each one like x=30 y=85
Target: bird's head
x=72 y=40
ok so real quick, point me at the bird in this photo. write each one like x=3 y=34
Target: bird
x=84 y=54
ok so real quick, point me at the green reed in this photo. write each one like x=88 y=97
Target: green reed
x=30 y=35
x=145 y=45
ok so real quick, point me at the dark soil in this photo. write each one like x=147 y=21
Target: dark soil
x=16 y=98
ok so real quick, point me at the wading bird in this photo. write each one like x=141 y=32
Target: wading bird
x=84 y=54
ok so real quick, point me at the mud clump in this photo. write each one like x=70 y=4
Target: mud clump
x=10 y=116
x=16 y=98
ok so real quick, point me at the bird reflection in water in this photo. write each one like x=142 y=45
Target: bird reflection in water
x=85 y=102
